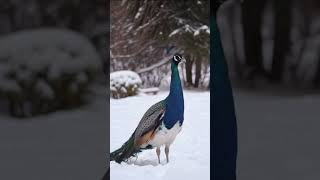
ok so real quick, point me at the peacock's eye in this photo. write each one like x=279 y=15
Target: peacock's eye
x=177 y=58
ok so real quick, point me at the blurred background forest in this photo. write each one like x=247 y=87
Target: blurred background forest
x=273 y=51
x=272 y=43
x=268 y=43
x=145 y=34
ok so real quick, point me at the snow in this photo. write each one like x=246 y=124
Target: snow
x=202 y=28
x=66 y=50
x=174 y=32
x=40 y=44
x=58 y=143
x=187 y=28
x=138 y=13
x=54 y=51
x=190 y=152
x=275 y=132
x=147 y=90
x=277 y=135
x=44 y=89
x=126 y=78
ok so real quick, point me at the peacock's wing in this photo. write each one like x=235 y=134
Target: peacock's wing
x=149 y=123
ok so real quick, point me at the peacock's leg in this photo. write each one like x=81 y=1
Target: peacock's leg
x=166 y=150
x=158 y=154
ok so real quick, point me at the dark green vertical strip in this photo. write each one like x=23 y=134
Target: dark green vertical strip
x=223 y=118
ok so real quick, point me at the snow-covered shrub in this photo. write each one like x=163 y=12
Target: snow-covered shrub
x=124 y=84
x=45 y=70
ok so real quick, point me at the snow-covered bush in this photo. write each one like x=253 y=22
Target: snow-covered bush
x=124 y=84
x=45 y=70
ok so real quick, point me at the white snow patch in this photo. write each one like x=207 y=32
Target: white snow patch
x=138 y=13
x=187 y=28
x=149 y=90
x=126 y=78
x=44 y=89
x=40 y=47
x=55 y=51
x=174 y=32
x=204 y=28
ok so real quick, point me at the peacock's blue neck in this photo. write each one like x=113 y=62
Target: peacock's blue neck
x=174 y=101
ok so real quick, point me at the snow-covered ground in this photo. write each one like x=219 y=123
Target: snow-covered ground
x=278 y=139
x=64 y=145
x=189 y=154
x=278 y=136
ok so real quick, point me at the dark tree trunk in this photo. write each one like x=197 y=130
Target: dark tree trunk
x=198 y=64
x=252 y=18
x=189 y=64
x=312 y=10
x=281 y=37
x=304 y=33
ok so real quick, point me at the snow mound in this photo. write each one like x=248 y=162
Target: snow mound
x=124 y=84
x=45 y=66
x=60 y=50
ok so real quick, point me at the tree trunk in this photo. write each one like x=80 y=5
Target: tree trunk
x=198 y=63
x=281 y=37
x=311 y=11
x=189 y=65
x=252 y=20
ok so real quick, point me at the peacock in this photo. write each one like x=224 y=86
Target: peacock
x=160 y=124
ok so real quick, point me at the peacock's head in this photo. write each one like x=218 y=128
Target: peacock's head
x=177 y=58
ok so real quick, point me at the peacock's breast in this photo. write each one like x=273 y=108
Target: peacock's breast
x=165 y=136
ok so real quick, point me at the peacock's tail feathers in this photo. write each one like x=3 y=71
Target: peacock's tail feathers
x=126 y=151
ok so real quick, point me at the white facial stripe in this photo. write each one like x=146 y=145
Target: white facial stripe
x=177 y=58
